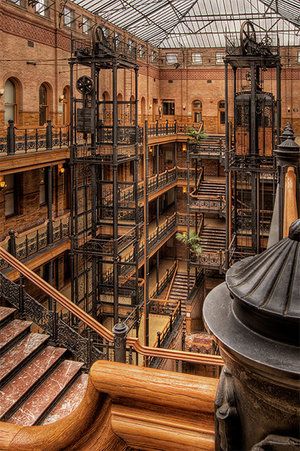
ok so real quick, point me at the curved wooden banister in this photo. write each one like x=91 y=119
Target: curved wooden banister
x=56 y=295
x=128 y=406
x=99 y=328
x=290 y=212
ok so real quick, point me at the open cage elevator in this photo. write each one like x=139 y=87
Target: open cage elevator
x=105 y=151
x=253 y=108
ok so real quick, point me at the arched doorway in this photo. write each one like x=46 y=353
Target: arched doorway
x=143 y=110
x=10 y=101
x=44 y=103
x=66 y=105
x=197 y=111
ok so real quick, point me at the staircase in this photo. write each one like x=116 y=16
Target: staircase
x=212 y=239
x=38 y=383
x=179 y=289
x=211 y=189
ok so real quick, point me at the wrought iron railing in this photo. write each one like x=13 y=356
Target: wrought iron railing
x=15 y=140
x=25 y=244
x=85 y=323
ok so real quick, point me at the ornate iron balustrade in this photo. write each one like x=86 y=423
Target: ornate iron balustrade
x=164 y=281
x=30 y=242
x=210 y=147
x=61 y=333
x=162 y=129
x=208 y=203
x=33 y=139
x=211 y=260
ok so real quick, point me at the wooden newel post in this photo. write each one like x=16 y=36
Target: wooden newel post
x=120 y=331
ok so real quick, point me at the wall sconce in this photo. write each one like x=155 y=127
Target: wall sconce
x=2 y=183
x=151 y=149
x=184 y=189
x=183 y=147
x=61 y=169
x=61 y=98
x=150 y=106
x=184 y=107
x=1 y=91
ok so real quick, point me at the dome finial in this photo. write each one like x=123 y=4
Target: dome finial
x=294 y=231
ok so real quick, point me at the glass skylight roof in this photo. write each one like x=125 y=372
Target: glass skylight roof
x=199 y=23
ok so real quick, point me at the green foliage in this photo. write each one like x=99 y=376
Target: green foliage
x=192 y=241
x=196 y=135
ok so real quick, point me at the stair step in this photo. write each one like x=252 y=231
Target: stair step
x=20 y=354
x=16 y=390
x=6 y=313
x=35 y=408
x=11 y=332
x=69 y=401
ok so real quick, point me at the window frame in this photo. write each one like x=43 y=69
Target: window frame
x=220 y=58
x=72 y=20
x=197 y=63
x=171 y=58
x=168 y=107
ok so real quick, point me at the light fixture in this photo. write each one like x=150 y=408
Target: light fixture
x=150 y=106
x=183 y=107
x=61 y=169
x=150 y=149
x=2 y=183
x=184 y=189
x=61 y=98
x=1 y=91
x=183 y=147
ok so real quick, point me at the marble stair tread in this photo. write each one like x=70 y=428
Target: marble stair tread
x=40 y=401
x=26 y=379
x=12 y=330
x=5 y=314
x=20 y=353
x=70 y=401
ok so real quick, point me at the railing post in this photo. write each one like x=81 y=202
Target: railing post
x=158 y=339
x=183 y=341
x=156 y=127
x=11 y=138
x=120 y=331
x=49 y=135
x=171 y=323
x=12 y=246
x=175 y=126
x=167 y=126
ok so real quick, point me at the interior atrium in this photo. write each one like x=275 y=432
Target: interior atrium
x=149 y=225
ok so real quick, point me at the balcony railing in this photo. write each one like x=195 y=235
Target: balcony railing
x=25 y=244
x=16 y=140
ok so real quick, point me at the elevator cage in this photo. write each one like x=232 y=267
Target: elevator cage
x=105 y=152
x=253 y=123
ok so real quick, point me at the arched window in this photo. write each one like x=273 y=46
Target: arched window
x=197 y=111
x=221 y=109
x=10 y=101
x=44 y=103
x=66 y=105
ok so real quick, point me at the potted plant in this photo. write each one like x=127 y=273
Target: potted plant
x=192 y=241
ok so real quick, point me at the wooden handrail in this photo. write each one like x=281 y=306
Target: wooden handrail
x=99 y=328
x=56 y=295
x=119 y=410
x=290 y=208
x=172 y=354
